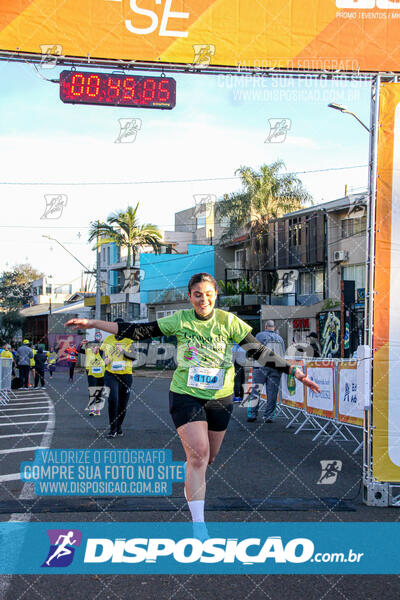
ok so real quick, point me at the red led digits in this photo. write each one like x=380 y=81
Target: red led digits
x=113 y=88
x=149 y=90
x=163 y=91
x=128 y=88
x=77 y=84
x=93 y=86
x=84 y=87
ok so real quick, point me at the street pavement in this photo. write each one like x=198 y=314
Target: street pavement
x=263 y=473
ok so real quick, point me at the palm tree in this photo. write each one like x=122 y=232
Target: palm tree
x=123 y=229
x=266 y=194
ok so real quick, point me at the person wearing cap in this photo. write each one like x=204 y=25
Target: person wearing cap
x=24 y=356
x=314 y=344
x=40 y=362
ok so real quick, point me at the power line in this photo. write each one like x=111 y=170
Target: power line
x=162 y=181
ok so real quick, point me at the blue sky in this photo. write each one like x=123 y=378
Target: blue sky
x=219 y=123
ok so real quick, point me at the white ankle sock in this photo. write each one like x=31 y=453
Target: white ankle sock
x=196 y=508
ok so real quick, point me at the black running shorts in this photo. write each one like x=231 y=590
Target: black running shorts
x=186 y=409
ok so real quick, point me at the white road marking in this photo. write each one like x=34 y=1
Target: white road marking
x=26 y=449
x=10 y=435
x=22 y=423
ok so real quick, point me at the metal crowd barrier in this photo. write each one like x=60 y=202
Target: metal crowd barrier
x=5 y=379
x=335 y=414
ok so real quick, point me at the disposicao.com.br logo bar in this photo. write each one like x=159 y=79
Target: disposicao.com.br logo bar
x=173 y=548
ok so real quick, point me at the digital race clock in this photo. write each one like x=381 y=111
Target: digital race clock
x=83 y=87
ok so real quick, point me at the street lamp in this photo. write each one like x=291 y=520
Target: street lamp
x=343 y=109
x=97 y=272
x=66 y=249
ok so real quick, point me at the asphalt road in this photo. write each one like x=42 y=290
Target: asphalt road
x=263 y=473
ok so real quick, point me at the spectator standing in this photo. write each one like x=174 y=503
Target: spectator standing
x=313 y=338
x=266 y=375
x=24 y=356
x=40 y=362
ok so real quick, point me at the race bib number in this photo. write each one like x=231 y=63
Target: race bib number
x=205 y=378
x=97 y=370
x=118 y=365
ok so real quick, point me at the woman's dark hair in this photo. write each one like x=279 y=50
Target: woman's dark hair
x=199 y=277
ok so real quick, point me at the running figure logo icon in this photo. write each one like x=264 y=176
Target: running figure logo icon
x=62 y=547
x=329 y=471
x=203 y=54
x=128 y=129
x=55 y=204
x=278 y=130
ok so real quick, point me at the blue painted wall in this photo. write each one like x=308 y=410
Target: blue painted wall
x=169 y=271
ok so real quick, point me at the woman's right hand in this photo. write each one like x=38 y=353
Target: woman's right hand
x=79 y=324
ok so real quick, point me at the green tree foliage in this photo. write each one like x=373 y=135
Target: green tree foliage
x=15 y=286
x=266 y=194
x=10 y=323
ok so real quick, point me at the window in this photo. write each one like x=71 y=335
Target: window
x=305 y=283
x=48 y=289
x=108 y=255
x=201 y=221
x=354 y=273
x=352 y=227
x=294 y=232
x=319 y=282
x=311 y=282
x=240 y=258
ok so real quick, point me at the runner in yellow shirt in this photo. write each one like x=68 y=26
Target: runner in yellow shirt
x=117 y=379
x=95 y=368
x=52 y=361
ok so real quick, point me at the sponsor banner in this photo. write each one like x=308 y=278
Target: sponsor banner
x=293 y=392
x=255 y=33
x=349 y=410
x=80 y=472
x=386 y=358
x=226 y=548
x=323 y=404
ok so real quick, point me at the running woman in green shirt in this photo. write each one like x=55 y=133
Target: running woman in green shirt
x=201 y=390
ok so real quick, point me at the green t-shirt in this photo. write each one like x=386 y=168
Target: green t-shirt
x=205 y=368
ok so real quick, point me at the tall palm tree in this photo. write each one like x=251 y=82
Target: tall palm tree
x=123 y=229
x=266 y=194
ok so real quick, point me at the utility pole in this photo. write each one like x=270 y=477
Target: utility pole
x=98 y=279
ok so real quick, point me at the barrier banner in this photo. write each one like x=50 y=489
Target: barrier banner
x=227 y=548
x=386 y=357
x=323 y=404
x=292 y=392
x=349 y=410
x=254 y=33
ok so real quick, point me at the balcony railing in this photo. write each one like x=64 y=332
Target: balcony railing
x=270 y=299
